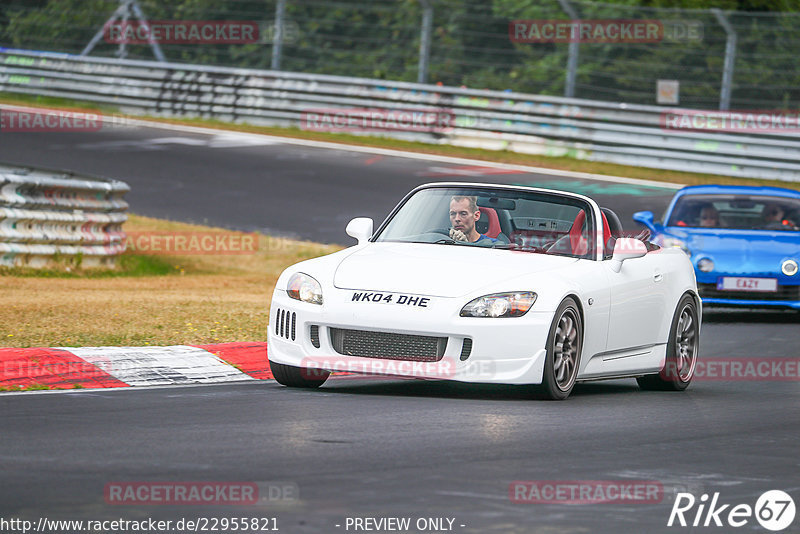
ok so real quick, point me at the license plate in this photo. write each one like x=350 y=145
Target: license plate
x=737 y=283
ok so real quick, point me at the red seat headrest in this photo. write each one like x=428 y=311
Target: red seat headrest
x=494 y=221
x=579 y=243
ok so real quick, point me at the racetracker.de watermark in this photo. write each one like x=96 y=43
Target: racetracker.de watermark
x=604 y=31
x=586 y=31
x=182 y=32
x=199 y=493
x=37 y=368
x=744 y=121
x=192 y=243
x=586 y=491
x=376 y=120
x=746 y=369
x=57 y=120
x=317 y=367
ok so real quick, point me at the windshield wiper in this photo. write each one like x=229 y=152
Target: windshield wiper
x=521 y=248
x=439 y=242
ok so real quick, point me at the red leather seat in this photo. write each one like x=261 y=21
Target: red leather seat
x=490 y=216
x=579 y=243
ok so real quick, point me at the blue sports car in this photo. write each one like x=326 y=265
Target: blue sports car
x=744 y=242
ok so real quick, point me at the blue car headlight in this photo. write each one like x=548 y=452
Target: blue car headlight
x=514 y=304
x=674 y=242
x=705 y=265
x=305 y=288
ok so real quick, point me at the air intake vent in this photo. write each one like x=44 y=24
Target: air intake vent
x=315 y=336
x=466 y=349
x=369 y=344
x=285 y=324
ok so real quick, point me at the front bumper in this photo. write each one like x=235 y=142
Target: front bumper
x=503 y=351
x=787 y=296
x=751 y=303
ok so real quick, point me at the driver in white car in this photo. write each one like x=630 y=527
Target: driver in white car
x=464 y=213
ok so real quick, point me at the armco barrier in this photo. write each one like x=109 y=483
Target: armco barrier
x=584 y=129
x=44 y=214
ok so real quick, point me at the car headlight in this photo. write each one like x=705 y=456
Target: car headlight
x=305 y=288
x=672 y=242
x=706 y=265
x=500 y=305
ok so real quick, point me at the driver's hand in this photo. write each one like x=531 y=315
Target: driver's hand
x=457 y=235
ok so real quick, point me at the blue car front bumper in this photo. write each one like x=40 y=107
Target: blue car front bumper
x=787 y=296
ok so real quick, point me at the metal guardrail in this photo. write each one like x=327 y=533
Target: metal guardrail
x=584 y=129
x=44 y=214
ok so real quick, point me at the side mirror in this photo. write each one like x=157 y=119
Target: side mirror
x=647 y=219
x=360 y=228
x=626 y=248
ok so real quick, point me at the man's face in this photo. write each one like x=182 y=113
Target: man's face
x=461 y=218
x=709 y=217
x=773 y=212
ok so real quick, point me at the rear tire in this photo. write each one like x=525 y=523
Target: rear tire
x=564 y=344
x=684 y=340
x=298 y=377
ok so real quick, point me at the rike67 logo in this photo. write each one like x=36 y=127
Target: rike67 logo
x=774 y=510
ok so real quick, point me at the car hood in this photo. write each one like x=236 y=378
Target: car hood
x=438 y=270
x=742 y=244
x=750 y=252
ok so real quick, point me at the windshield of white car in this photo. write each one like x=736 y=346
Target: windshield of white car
x=519 y=220
x=737 y=212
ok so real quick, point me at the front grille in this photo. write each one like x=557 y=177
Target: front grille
x=388 y=345
x=285 y=324
x=783 y=293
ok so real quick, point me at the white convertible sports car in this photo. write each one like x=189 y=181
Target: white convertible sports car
x=491 y=284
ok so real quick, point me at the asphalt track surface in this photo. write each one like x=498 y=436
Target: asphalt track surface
x=294 y=191
x=381 y=447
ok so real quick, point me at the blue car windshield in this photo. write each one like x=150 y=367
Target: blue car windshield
x=738 y=212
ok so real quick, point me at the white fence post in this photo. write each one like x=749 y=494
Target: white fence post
x=425 y=41
x=730 y=59
x=277 y=40
x=572 y=59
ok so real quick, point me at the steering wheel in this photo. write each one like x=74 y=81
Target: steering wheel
x=779 y=225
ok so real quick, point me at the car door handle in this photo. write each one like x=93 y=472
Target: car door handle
x=657 y=276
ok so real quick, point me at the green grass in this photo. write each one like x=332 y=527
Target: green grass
x=29 y=387
x=149 y=299
x=56 y=102
x=128 y=265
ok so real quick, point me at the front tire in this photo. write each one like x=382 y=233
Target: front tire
x=564 y=344
x=298 y=377
x=684 y=339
